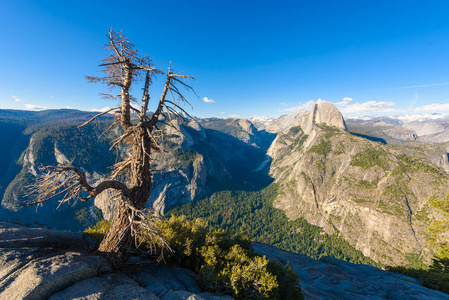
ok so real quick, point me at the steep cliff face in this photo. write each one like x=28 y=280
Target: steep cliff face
x=279 y=125
x=180 y=186
x=196 y=160
x=322 y=113
x=183 y=176
x=375 y=195
x=60 y=144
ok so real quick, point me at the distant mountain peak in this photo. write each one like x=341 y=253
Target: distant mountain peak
x=323 y=113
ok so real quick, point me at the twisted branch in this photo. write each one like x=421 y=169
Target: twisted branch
x=70 y=181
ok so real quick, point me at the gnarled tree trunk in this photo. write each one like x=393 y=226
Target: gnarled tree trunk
x=117 y=242
x=123 y=66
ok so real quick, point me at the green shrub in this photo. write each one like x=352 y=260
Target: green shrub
x=225 y=263
x=295 y=130
x=237 y=272
x=98 y=231
x=436 y=276
x=413 y=164
x=440 y=260
x=433 y=280
x=370 y=158
x=323 y=148
x=287 y=279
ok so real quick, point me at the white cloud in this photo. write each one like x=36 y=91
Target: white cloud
x=101 y=109
x=234 y=116
x=294 y=108
x=420 y=117
x=207 y=100
x=17 y=99
x=369 y=107
x=346 y=106
x=345 y=101
x=35 y=107
x=222 y=113
x=263 y=120
x=434 y=107
x=304 y=106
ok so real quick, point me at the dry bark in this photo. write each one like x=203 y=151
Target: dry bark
x=123 y=68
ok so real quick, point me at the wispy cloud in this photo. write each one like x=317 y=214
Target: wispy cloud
x=234 y=116
x=222 y=113
x=434 y=107
x=304 y=106
x=294 y=108
x=100 y=109
x=348 y=107
x=207 y=100
x=416 y=86
x=17 y=99
x=369 y=107
x=35 y=107
x=345 y=101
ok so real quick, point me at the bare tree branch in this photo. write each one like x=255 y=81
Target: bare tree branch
x=110 y=127
x=145 y=97
x=55 y=181
x=123 y=68
x=99 y=115
x=111 y=32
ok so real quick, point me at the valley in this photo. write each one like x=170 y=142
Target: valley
x=359 y=191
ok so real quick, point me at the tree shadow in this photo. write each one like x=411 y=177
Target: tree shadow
x=435 y=280
x=371 y=138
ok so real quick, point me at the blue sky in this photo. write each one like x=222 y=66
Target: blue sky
x=250 y=58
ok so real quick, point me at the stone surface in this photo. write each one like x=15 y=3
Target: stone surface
x=322 y=113
x=110 y=286
x=44 y=276
x=330 y=278
x=160 y=279
x=17 y=234
x=279 y=125
x=40 y=263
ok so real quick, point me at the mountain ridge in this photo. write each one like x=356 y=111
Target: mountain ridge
x=359 y=188
x=231 y=154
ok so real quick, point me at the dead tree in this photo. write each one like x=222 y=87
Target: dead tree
x=123 y=67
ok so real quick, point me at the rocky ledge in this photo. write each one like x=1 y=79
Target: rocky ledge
x=37 y=262
x=331 y=278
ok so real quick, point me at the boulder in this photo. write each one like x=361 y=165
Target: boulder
x=110 y=286
x=37 y=262
x=42 y=277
